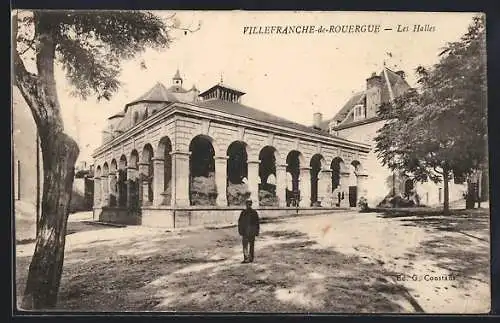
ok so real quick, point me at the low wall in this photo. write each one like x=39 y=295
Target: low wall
x=117 y=215
x=179 y=218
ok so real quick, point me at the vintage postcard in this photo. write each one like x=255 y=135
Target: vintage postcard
x=250 y=161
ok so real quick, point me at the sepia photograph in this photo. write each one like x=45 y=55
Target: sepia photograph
x=250 y=162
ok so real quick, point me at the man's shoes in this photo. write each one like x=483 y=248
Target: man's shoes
x=244 y=261
x=250 y=260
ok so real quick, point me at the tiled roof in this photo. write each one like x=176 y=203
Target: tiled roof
x=256 y=114
x=355 y=99
x=222 y=87
x=157 y=93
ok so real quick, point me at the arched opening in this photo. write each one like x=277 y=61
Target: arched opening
x=147 y=173
x=316 y=163
x=293 y=165
x=133 y=181
x=164 y=150
x=237 y=172
x=267 y=175
x=113 y=183
x=336 y=166
x=202 y=187
x=122 y=181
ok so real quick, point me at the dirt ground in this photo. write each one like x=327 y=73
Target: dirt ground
x=341 y=262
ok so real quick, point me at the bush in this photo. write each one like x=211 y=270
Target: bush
x=398 y=201
x=203 y=191
x=363 y=204
x=237 y=194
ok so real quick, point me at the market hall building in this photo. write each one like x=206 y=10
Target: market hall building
x=176 y=155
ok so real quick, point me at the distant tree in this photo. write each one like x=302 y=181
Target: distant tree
x=439 y=129
x=89 y=46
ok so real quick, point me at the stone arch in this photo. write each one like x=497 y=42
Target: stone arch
x=147 y=173
x=236 y=173
x=122 y=181
x=98 y=171
x=113 y=166
x=217 y=145
x=202 y=187
x=134 y=159
x=294 y=162
x=337 y=166
x=164 y=151
x=105 y=169
x=316 y=164
x=268 y=157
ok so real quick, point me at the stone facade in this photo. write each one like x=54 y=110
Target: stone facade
x=219 y=119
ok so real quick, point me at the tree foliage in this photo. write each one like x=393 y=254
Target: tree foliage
x=439 y=128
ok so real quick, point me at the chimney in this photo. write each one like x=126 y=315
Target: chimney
x=401 y=74
x=317 y=119
x=373 y=81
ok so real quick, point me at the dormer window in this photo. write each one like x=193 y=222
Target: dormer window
x=136 y=117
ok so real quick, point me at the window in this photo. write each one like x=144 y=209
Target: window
x=136 y=117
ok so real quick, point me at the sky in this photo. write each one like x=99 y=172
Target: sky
x=292 y=76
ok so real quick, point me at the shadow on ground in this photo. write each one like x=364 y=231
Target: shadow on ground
x=201 y=271
x=460 y=245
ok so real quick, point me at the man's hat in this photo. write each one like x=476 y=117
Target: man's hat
x=248 y=200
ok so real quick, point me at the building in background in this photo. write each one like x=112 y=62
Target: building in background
x=357 y=120
x=27 y=170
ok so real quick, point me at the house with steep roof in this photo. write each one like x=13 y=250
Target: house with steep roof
x=176 y=157
x=357 y=120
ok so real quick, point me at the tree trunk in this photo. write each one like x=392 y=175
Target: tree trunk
x=446 y=204
x=60 y=153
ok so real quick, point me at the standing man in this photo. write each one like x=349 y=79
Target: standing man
x=248 y=228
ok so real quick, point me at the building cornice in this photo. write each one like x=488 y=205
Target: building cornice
x=189 y=109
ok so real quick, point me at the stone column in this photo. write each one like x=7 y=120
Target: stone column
x=305 y=187
x=325 y=188
x=281 y=185
x=253 y=181
x=180 y=178
x=344 y=187
x=105 y=190
x=113 y=197
x=131 y=180
x=221 y=179
x=97 y=192
x=158 y=179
